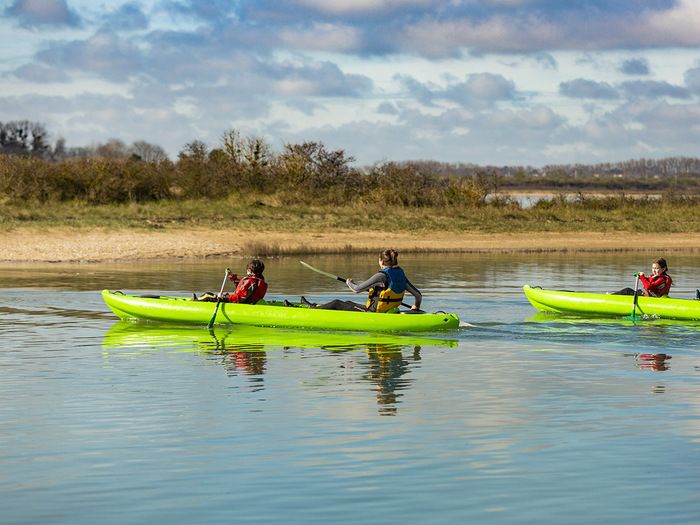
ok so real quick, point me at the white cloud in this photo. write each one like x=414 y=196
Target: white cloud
x=36 y=13
x=496 y=34
x=322 y=36
x=583 y=88
x=677 y=26
x=362 y=6
x=692 y=79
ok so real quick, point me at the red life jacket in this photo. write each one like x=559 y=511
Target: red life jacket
x=656 y=286
x=250 y=290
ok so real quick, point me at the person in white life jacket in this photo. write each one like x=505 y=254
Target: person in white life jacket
x=386 y=289
x=250 y=289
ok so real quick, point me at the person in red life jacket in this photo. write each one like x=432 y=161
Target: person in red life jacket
x=658 y=284
x=250 y=289
x=386 y=289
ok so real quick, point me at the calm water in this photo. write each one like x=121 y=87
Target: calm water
x=513 y=419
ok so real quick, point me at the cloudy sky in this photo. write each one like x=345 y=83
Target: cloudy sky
x=502 y=82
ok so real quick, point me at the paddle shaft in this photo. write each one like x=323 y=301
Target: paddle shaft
x=218 y=299
x=636 y=295
x=341 y=279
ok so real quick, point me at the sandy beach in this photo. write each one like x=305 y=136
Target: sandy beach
x=96 y=245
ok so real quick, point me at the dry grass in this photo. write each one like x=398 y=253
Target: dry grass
x=596 y=216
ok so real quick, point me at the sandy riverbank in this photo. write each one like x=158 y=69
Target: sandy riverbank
x=65 y=245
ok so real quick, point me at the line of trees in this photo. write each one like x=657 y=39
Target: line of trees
x=248 y=167
x=244 y=168
x=27 y=138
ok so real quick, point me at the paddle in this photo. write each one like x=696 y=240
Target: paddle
x=218 y=299
x=332 y=276
x=341 y=279
x=636 y=294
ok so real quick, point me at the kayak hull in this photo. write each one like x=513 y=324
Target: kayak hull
x=608 y=305
x=183 y=310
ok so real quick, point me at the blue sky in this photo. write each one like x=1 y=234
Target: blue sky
x=502 y=82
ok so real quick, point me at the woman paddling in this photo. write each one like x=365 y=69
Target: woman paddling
x=386 y=289
x=657 y=284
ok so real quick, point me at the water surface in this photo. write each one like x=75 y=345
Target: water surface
x=513 y=418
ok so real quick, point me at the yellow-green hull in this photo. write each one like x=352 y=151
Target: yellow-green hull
x=608 y=305
x=183 y=310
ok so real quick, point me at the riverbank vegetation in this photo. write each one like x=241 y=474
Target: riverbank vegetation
x=239 y=213
x=244 y=184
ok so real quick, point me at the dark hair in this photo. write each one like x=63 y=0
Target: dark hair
x=256 y=266
x=662 y=262
x=389 y=257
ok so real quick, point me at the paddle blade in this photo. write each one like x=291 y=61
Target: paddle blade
x=213 y=317
x=327 y=274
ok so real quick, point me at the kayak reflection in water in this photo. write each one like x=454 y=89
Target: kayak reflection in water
x=386 y=289
x=658 y=284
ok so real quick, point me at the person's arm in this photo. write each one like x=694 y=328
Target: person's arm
x=243 y=292
x=415 y=293
x=378 y=278
x=646 y=281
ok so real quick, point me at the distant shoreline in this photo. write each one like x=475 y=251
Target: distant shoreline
x=65 y=245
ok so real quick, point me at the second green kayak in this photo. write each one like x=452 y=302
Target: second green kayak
x=185 y=311
x=609 y=305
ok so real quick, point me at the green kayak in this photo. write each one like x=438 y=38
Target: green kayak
x=184 y=310
x=608 y=305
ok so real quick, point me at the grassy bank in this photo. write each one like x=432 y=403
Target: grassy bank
x=594 y=215
x=305 y=188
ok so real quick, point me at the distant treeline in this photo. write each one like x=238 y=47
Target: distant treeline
x=30 y=139
x=640 y=168
x=661 y=175
x=247 y=168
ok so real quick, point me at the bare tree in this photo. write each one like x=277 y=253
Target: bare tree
x=39 y=146
x=112 y=149
x=59 y=150
x=195 y=150
x=148 y=152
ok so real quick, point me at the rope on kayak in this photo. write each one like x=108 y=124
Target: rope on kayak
x=418 y=312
